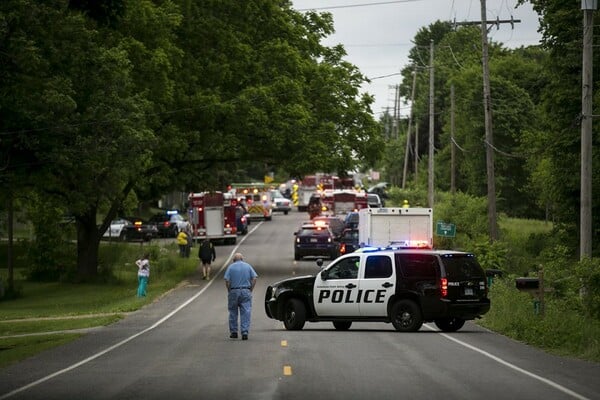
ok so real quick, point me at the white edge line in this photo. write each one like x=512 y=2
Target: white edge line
x=130 y=338
x=512 y=366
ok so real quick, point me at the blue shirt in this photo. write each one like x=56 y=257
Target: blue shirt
x=240 y=274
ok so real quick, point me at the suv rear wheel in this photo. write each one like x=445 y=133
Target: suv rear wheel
x=294 y=315
x=449 y=324
x=406 y=316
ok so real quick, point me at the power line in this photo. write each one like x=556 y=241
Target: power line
x=356 y=5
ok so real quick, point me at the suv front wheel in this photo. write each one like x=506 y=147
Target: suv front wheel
x=294 y=315
x=449 y=324
x=406 y=316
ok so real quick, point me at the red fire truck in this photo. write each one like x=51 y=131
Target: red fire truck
x=212 y=215
x=344 y=201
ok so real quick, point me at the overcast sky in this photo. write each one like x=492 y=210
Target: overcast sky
x=377 y=34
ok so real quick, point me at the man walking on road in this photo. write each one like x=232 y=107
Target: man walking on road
x=240 y=279
x=207 y=254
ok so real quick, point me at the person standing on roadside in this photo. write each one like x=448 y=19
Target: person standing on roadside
x=190 y=241
x=240 y=279
x=143 y=265
x=207 y=254
x=182 y=242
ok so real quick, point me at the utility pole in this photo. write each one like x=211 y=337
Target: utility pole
x=416 y=152
x=452 y=148
x=410 y=116
x=430 y=197
x=487 y=106
x=489 y=135
x=395 y=116
x=585 y=244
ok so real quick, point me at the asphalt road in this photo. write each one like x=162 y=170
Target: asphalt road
x=179 y=348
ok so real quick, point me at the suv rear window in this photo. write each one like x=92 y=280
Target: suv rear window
x=418 y=265
x=462 y=267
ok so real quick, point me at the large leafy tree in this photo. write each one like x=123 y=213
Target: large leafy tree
x=141 y=96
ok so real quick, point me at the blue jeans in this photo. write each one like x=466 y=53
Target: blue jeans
x=239 y=299
x=142 y=283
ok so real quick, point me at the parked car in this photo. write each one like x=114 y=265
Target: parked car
x=169 y=224
x=374 y=201
x=280 y=203
x=315 y=240
x=115 y=229
x=138 y=229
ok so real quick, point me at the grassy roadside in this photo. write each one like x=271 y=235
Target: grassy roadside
x=50 y=314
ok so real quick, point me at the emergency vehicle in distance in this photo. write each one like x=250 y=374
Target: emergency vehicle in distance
x=319 y=182
x=405 y=287
x=256 y=198
x=213 y=215
x=344 y=201
x=405 y=227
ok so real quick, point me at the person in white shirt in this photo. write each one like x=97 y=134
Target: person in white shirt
x=143 y=265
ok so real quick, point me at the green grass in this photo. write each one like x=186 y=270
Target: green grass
x=26 y=326
x=60 y=306
x=562 y=330
x=20 y=348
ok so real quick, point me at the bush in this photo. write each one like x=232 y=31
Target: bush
x=562 y=329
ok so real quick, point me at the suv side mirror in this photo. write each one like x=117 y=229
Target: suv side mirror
x=320 y=262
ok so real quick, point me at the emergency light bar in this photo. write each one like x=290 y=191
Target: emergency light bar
x=409 y=244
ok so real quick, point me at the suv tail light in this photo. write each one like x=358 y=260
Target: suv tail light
x=444 y=286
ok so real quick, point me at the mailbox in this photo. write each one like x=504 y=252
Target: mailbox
x=527 y=284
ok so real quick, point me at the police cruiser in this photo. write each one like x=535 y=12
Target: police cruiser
x=406 y=287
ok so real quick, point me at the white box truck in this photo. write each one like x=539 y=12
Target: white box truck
x=397 y=227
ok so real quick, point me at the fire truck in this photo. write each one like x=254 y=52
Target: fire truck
x=257 y=199
x=212 y=215
x=344 y=201
x=315 y=183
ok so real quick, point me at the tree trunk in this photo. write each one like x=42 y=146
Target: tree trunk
x=88 y=241
x=9 y=251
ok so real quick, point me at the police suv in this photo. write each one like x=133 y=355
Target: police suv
x=401 y=286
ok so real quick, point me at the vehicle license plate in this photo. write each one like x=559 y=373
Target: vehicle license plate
x=314 y=240
x=468 y=292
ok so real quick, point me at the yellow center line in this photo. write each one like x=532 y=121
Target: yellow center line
x=284 y=343
x=287 y=370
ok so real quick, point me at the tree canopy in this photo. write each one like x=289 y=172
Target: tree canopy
x=104 y=99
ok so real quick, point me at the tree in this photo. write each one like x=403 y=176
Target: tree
x=143 y=97
x=558 y=148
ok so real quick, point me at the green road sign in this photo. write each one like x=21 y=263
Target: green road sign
x=445 y=229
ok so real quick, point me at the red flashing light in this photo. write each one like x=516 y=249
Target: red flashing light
x=444 y=287
x=343 y=248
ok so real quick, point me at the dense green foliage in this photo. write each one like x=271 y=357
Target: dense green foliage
x=101 y=101
x=536 y=106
